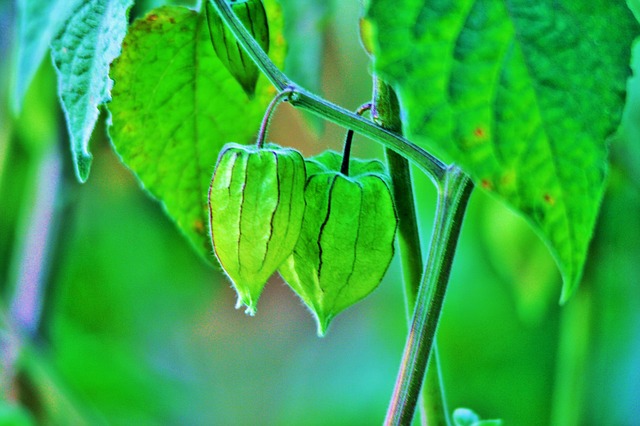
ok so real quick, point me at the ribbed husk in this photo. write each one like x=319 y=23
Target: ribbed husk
x=347 y=238
x=256 y=202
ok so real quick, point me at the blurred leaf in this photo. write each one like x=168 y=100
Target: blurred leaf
x=128 y=304
x=466 y=417
x=14 y=415
x=634 y=5
x=304 y=25
x=175 y=105
x=521 y=95
x=29 y=143
x=519 y=258
x=39 y=21
x=44 y=392
x=612 y=382
x=82 y=52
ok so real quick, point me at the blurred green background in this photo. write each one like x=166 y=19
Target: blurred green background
x=129 y=326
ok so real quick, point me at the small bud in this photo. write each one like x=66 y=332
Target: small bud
x=254 y=17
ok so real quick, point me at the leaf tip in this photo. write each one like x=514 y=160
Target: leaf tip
x=323 y=322
x=567 y=292
x=82 y=164
x=570 y=283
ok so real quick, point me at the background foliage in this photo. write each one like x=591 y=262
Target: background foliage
x=136 y=328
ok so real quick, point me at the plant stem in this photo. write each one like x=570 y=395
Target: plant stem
x=433 y=167
x=31 y=268
x=266 y=119
x=453 y=196
x=346 y=153
x=572 y=360
x=386 y=113
x=434 y=401
x=346 y=150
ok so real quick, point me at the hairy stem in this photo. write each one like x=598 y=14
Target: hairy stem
x=434 y=401
x=433 y=167
x=266 y=119
x=386 y=113
x=453 y=196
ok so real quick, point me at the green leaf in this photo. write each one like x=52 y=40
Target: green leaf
x=175 y=105
x=39 y=21
x=521 y=95
x=82 y=52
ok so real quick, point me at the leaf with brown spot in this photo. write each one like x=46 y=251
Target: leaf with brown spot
x=522 y=95
x=175 y=105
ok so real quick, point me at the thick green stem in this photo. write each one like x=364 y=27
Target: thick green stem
x=453 y=196
x=386 y=113
x=433 y=167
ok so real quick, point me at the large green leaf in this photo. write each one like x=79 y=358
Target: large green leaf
x=39 y=21
x=82 y=52
x=522 y=95
x=175 y=105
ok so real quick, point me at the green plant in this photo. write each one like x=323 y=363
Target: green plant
x=516 y=99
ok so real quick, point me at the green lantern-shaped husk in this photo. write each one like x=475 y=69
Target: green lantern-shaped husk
x=256 y=206
x=347 y=236
x=254 y=17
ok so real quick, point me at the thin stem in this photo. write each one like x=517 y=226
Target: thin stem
x=282 y=96
x=453 y=196
x=346 y=152
x=31 y=269
x=386 y=113
x=433 y=167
